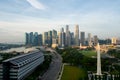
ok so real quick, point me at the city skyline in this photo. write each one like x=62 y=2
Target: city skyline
x=97 y=17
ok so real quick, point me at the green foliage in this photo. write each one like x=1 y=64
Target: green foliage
x=114 y=52
x=84 y=59
x=72 y=56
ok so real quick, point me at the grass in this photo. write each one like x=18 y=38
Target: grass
x=89 y=53
x=73 y=73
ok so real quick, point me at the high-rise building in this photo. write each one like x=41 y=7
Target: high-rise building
x=95 y=40
x=54 y=34
x=31 y=38
x=77 y=43
x=82 y=38
x=63 y=38
x=27 y=39
x=72 y=38
x=40 y=42
x=49 y=37
x=114 y=40
x=89 y=39
x=45 y=38
x=68 y=40
x=36 y=39
x=59 y=38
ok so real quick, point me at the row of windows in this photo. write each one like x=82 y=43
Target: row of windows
x=28 y=68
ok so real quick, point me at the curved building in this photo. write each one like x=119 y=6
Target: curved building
x=18 y=68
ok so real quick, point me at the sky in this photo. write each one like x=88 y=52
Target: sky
x=99 y=17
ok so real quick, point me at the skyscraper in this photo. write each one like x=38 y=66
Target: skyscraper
x=27 y=38
x=63 y=38
x=40 y=42
x=54 y=37
x=89 y=39
x=67 y=41
x=31 y=38
x=54 y=34
x=72 y=38
x=82 y=39
x=95 y=40
x=77 y=35
x=49 y=37
x=59 y=38
x=114 y=40
x=45 y=38
x=36 y=39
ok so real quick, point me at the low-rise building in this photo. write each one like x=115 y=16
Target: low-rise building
x=19 y=67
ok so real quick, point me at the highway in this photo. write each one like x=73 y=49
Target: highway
x=55 y=67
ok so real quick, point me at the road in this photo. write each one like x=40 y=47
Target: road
x=55 y=67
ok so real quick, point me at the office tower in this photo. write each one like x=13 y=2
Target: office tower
x=67 y=41
x=114 y=40
x=82 y=39
x=89 y=39
x=63 y=37
x=31 y=38
x=35 y=39
x=95 y=40
x=54 y=34
x=40 y=40
x=77 y=35
x=49 y=37
x=72 y=38
x=27 y=38
x=45 y=38
x=59 y=38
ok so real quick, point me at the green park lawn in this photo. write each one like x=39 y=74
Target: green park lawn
x=89 y=53
x=72 y=73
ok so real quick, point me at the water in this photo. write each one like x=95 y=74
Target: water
x=20 y=49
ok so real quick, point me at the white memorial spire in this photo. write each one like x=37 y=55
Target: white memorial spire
x=98 y=60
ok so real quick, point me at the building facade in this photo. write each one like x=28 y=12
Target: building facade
x=82 y=38
x=77 y=42
x=89 y=39
x=40 y=42
x=68 y=39
x=19 y=67
x=95 y=40
x=45 y=38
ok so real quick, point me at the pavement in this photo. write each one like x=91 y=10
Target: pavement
x=55 y=67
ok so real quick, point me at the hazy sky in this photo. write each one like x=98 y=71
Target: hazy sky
x=100 y=17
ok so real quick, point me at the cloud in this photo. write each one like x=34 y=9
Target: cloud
x=36 y=4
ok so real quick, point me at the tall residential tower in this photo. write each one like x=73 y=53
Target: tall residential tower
x=77 y=43
x=82 y=38
x=68 y=39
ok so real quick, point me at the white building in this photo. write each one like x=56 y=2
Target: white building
x=114 y=40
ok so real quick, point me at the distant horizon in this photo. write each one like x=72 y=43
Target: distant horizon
x=98 y=17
